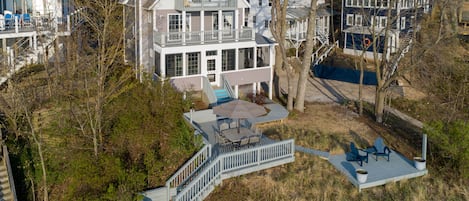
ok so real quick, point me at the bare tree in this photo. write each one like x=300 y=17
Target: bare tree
x=306 y=63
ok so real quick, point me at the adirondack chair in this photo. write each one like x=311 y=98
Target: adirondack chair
x=354 y=155
x=380 y=149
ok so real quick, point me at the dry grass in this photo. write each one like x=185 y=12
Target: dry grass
x=329 y=128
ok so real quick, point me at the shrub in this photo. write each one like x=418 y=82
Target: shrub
x=452 y=142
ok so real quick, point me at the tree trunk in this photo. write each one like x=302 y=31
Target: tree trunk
x=306 y=64
x=379 y=103
x=291 y=83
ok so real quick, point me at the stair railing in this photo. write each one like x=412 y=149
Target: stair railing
x=211 y=176
x=6 y=159
x=227 y=87
x=208 y=90
x=189 y=168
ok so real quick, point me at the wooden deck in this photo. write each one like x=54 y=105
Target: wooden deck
x=379 y=172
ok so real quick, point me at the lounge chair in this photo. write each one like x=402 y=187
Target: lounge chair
x=233 y=124
x=380 y=149
x=254 y=139
x=354 y=155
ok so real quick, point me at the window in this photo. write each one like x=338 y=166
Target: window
x=211 y=53
x=270 y=2
x=228 y=60
x=211 y=65
x=402 y=22
x=174 y=65
x=349 y=21
x=157 y=64
x=254 y=20
x=382 y=22
x=266 y=23
x=366 y=3
x=260 y=2
x=348 y=3
x=193 y=63
x=175 y=25
x=358 y=20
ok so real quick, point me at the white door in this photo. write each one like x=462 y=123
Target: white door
x=212 y=72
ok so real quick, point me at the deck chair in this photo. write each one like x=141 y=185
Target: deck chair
x=26 y=19
x=254 y=139
x=354 y=155
x=2 y=22
x=9 y=20
x=233 y=124
x=380 y=149
x=244 y=141
x=224 y=126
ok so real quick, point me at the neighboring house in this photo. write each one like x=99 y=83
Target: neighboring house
x=363 y=20
x=463 y=17
x=192 y=42
x=297 y=19
x=57 y=8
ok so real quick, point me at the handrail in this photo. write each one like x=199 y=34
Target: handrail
x=6 y=158
x=191 y=166
x=208 y=90
x=227 y=86
x=326 y=53
x=204 y=183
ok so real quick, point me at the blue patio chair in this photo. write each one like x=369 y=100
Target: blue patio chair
x=9 y=19
x=380 y=149
x=26 y=19
x=354 y=155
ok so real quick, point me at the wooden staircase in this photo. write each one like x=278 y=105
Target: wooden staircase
x=5 y=190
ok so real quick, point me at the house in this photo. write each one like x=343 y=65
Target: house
x=297 y=19
x=364 y=23
x=197 y=44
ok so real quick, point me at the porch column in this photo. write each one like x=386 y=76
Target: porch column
x=163 y=64
x=184 y=28
x=258 y=87
x=184 y=64
x=236 y=24
x=202 y=26
x=203 y=63
x=16 y=24
x=236 y=91
x=220 y=25
x=270 y=89
x=254 y=88
x=255 y=57
x=236 y=59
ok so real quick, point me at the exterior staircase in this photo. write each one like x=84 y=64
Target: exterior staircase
x=5 y=190
x=222 y=96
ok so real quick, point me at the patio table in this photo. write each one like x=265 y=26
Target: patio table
x=233 y=135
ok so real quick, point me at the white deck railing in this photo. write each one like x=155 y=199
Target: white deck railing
x=211 y=176
x=188 y=169
x=201 y=37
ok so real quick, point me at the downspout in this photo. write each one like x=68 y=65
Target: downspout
x=140 y=56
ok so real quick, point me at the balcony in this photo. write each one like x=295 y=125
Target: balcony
x=203 y=37
x=197 y=5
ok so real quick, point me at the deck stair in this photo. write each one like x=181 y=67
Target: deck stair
x=5 y=191
x=406 y=43
x=323 y=52
x=222 y=96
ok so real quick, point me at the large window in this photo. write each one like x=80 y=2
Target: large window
x=245 y=58
x=175 y=25
x=211 y=65
x=228 y=60
x=193 y=63
x=358 y=20
x=173 y=65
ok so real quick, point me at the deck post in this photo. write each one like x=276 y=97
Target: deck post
x=16 y=24
x=424 y=147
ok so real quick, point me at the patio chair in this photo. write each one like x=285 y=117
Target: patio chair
x=254 y=139
x=233 y=124
x=9 y=21
x=221 y=140
x=244 y=141
x=2 y=22
x=26 y=19
x=380 y=149
x=223 y=126
x=354 y=155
